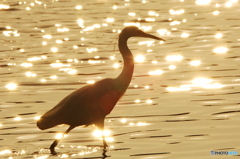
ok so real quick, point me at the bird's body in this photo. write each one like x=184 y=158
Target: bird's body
x=90 y=104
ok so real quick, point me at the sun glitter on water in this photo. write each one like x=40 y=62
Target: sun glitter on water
x=106 y=133
x=11 y=86
x=220 y=50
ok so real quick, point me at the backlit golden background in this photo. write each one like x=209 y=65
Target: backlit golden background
x=183 y=101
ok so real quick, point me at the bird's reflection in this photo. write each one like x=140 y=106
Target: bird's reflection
x=104 y=155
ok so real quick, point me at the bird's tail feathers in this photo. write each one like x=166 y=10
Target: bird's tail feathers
x=44 y=123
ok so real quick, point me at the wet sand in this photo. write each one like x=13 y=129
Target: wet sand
x=175 y=107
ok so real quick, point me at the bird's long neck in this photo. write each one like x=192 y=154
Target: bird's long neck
x=125 y=77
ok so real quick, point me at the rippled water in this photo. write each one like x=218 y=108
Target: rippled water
x=183 y=101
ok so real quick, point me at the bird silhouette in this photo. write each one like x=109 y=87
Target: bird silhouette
x=91 y=103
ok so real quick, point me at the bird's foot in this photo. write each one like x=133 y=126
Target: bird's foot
x=52 y=147
x=53 y=152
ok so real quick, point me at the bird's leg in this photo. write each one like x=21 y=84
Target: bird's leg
x=104 y=142
x=105 y=145
x=103 y=136
x=100 y=125
x=54 y=144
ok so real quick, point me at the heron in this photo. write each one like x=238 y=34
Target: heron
x=90 y=104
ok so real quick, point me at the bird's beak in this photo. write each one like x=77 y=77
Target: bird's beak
x=146 y=35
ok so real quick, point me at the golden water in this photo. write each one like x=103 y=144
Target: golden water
x=183 y=101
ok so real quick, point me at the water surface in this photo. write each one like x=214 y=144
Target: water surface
x=183 y=101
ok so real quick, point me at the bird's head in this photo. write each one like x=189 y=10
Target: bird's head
x=133 y=31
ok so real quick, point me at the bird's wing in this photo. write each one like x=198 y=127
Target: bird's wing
x=109 y=100
x=82 y=106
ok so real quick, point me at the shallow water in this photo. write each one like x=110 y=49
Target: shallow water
x=184 y=110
